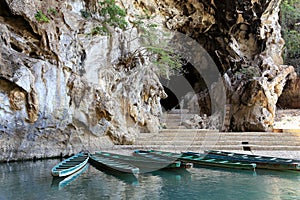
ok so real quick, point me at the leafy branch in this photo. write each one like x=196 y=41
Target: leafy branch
x=114 y=16
x=155 y=46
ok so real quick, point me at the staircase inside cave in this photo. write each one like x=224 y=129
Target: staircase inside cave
x=176 y=137
x=174 y=118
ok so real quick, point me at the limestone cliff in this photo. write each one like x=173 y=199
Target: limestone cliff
x=290 y=95
x=244 y=39
x=62 y=90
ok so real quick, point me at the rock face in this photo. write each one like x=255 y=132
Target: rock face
x=290 y=97
x=62 y=90
x=244 y=39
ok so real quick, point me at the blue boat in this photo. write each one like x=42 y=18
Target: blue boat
x=70 y=165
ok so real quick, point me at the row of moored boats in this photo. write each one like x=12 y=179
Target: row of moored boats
x=143 y=161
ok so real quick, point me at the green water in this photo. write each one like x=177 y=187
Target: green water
x=32 y=180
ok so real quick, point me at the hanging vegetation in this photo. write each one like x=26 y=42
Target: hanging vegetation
x=290 y=22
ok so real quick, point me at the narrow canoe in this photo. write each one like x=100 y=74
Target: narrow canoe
x=201 y=160
x=61 y=182
x=103 y=162
x=262 y=162
x=70 y=165
x=173 y=162
x=143 y=163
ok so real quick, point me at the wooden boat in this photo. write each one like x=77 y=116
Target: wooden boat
x=70 y=165
x=107 y=163
x=143 y=163
x=128 y=178
x=262 y=162
x=174 y=162
x=61 y=182
x=201 y=160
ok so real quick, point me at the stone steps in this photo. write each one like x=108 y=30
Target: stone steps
x=174 y=118
x=177 y=137
x=172 y=124
x=178 y=111
x=220 y=143
x=212 y=139
x=206 y=147
x=205 y=133
x=178 y=117
x=209 y=139
x=202 y=131
x=220 y=137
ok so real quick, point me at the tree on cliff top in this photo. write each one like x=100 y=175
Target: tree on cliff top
x=290 y=22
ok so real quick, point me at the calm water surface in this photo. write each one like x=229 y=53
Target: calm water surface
x=32 y=180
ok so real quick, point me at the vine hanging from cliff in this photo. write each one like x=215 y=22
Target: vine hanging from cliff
x=155 y=46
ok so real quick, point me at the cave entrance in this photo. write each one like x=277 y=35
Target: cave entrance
x=187 y=91
x=171 y=102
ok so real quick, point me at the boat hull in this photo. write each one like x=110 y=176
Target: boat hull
x=200 y=161
x=70 y=165
x=262 y=162
x=61 y=182
x=143 y=163
x=173 y=163
x=102 y=162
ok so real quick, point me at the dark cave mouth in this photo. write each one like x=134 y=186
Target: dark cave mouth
x=171 y=102
x=186 y=91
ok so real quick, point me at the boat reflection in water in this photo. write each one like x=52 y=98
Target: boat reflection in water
x=32 y=180
x=127 y=178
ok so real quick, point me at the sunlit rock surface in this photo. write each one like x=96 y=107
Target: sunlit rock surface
x=62 y=92
x=244 y=39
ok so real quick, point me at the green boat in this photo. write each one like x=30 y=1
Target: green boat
x=262 y=162
x=70 y=165
x=201 y=160
x=106 y=163
x=144 y=164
